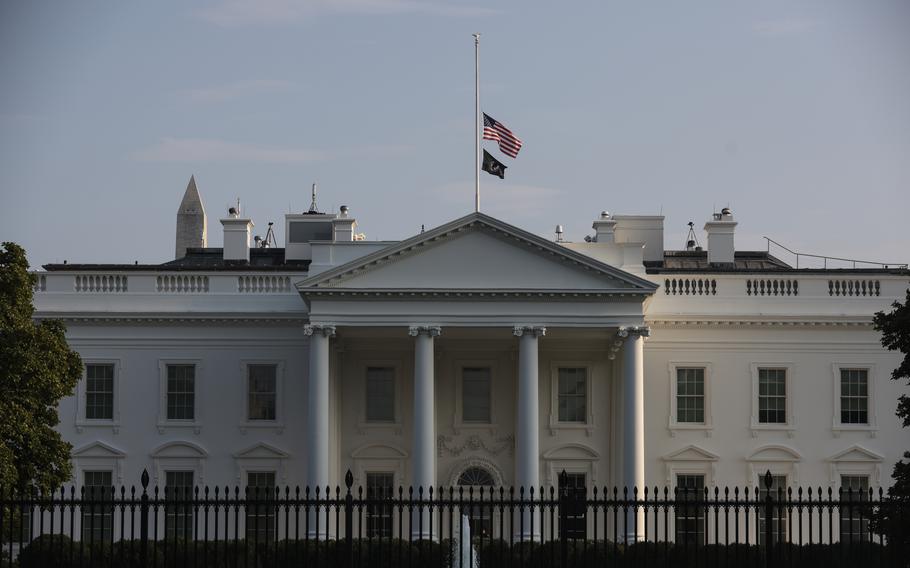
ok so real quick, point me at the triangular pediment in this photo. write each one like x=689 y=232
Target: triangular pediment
x=98 y=450
x=691 y=453
x=261 y=451
x=477 y=252
x=856 y=454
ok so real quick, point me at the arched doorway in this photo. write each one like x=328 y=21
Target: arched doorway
x=477 y=481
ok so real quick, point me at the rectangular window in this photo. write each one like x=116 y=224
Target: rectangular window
x=690 y=395
x=380 y=394
x=778 y=492
x=181 y=392
x=573 y=394
x=178 y=510
x=690 y=517
x=99 y=392
x=98 y=512
x=475 y=394
x=574 y=518
x=854 y=517
x=772 y=396
x=854 y=396
x=379 y=509
x=262 y=396
x=260 y=512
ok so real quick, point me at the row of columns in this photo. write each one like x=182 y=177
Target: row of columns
x=527 y=427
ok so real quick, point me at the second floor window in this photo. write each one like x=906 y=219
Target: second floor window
x=181 y=392
x=854 y=396
x=690 y=395
x=573 y=394
x=99 y=392
x=380 y=394
x=475 y=394
x=772 y=396
x=262 y=396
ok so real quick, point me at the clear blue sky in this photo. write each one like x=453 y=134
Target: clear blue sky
x=796 y=114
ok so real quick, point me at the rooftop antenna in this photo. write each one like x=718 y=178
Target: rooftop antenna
x=313 y=202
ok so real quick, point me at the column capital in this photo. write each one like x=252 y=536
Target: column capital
x=634 y=330
x=325 y=329
x=535 y=330
x=430 y=330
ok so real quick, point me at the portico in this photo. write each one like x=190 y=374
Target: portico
x=478 y=296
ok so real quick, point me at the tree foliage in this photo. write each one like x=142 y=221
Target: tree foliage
x=895 y=329
x=37 y=369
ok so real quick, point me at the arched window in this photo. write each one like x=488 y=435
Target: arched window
x=479 y=509
x=476 y=477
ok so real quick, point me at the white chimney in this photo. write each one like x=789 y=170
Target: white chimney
x=604 y=228
x=647 y=229
x=720 y=237
x=236 y=237
x=343 y=226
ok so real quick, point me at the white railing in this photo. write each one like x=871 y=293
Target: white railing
x=40 y=283
x=854 y=288
x=264 y=284
x=100 y=283
x=182 y=284
x=690 y=287
x=772 y=287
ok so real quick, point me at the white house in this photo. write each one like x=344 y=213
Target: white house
x=475 y=353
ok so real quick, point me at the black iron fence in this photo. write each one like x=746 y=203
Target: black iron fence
x=453 y=527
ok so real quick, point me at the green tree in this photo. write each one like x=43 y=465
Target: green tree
x=895 y=329
x=37 y=369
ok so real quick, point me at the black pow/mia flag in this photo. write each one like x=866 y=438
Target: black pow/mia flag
x=493 y=166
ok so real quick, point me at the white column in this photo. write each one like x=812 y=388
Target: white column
x=527 y=428
x=423 y=451
x=317 y=432
x=633 y=453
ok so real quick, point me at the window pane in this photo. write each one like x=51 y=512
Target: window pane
x=772 y=396
x=854 y=518
x=181 y=387
x=262 y=391
x=475 y=394
x=778 y=513
x=98 y=512
x=690 y=519
x=99 y=392
x=690 y=395
x=260 y=513
x=854 y=396
x=178 y=518
x=572 y=394
x=379 y=511
x=380 y=394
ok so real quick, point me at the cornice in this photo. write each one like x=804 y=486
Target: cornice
x=176 y=319
x=470 y=294
x=857 y=322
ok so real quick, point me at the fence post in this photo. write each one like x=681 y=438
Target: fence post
x=563 y=525
x=349 y=521
x=769 y=511
x=144 y=519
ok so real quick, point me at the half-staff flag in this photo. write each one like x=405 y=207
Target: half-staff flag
x=509 y=144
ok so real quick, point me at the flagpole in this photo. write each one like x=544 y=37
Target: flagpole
x=476 y=122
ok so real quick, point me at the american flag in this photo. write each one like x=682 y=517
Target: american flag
x=493 y=130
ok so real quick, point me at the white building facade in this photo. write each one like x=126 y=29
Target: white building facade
x=477 y=353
